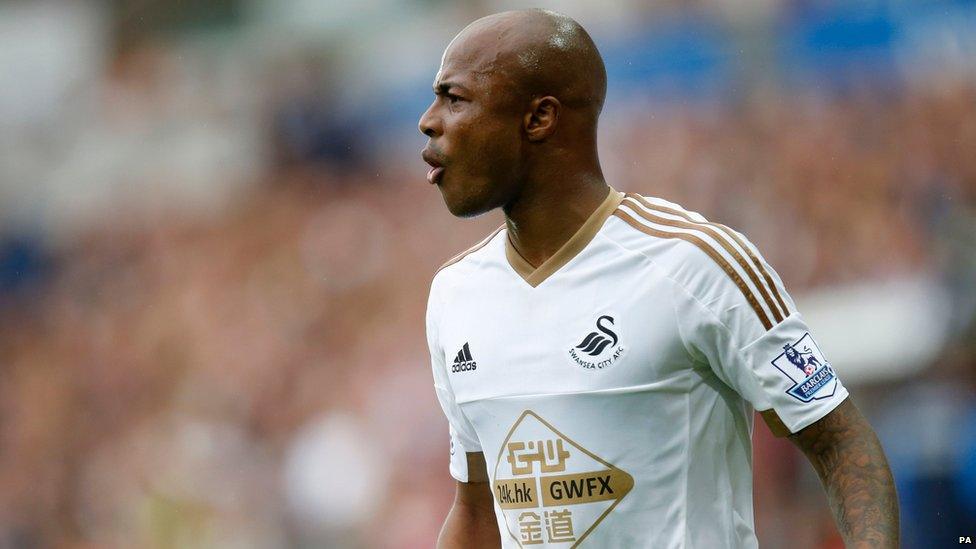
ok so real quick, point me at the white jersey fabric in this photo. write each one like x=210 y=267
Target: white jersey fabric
x=612 y=389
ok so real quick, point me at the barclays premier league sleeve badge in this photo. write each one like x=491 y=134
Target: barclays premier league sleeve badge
x=811 y=374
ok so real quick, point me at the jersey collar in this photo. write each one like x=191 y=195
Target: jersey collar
x=570 y=249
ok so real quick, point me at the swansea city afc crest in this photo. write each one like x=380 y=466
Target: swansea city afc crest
x=600 y=348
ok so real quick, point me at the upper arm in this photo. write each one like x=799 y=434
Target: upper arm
x=471 y=523
x=477 y=469
x=475 y=499
x=822 y=440
x=738 y=317
x=851 y=464
x=476 y=491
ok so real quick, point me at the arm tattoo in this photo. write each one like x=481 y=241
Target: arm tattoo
x=852 y=467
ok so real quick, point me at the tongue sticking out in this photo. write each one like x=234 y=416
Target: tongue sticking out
x=434 y=175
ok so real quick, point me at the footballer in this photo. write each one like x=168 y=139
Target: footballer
x=600 y=356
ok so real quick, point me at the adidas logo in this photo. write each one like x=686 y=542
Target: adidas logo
x=463 y=361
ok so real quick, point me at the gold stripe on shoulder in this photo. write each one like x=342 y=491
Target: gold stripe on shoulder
x=759 y=265
x=710 y=229
x=469 y=251
x=715 y=256
x=755 y=260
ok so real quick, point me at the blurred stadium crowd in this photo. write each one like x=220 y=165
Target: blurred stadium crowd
x=215 y=255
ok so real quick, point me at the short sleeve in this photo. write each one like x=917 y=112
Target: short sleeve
x=463 y=438
x=784 y=370
x=749 y=332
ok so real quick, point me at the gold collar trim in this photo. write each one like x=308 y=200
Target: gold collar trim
x=570 y=249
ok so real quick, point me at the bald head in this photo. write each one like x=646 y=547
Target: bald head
x=540 y=53
x=517 y=99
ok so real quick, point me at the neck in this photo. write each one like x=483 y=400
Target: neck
x=546 y=215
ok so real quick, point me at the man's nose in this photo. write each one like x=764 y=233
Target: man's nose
x=429 y=123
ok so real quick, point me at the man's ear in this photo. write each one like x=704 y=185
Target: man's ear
x=540 y=121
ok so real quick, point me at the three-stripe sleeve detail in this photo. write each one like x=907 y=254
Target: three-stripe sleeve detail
x=712 y=239
x=750 y=297
x=726 y=239
x=760 y=267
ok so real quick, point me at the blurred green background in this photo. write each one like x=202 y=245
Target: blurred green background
x=216 y=242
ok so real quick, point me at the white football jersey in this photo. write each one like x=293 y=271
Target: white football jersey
x=612 y=388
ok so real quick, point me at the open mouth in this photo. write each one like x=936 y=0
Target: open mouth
x=436 y=171
x=434 y=174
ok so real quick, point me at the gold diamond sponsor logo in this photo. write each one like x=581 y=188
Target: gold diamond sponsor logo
x=551 y=489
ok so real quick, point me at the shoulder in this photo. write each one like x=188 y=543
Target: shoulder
x=469 y=256
x=462 y=263
x=683 y=243
x=718 y=266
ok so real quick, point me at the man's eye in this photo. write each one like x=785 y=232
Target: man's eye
x=453 y=98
